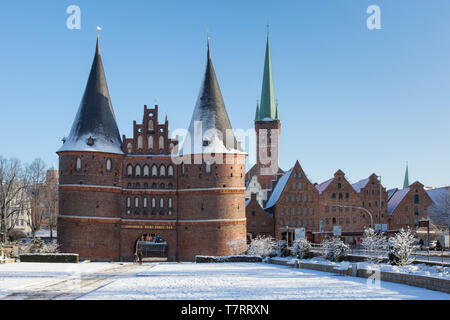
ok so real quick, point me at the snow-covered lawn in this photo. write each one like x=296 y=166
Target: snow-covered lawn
x=250 y=281
x=16 y=276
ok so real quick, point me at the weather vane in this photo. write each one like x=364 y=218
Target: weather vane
x=98 y=31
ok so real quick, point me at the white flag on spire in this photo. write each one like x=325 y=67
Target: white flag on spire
x=98 y=28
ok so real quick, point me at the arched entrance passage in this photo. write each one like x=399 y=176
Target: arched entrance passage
x=151 y=247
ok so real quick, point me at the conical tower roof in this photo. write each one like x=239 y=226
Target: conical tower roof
x=210 y=129
x=267 y=109
x=95 y=127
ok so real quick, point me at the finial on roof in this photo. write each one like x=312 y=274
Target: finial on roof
x=207 y=39
x=98 y=36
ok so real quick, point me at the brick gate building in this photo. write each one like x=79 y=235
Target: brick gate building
x=117 y=190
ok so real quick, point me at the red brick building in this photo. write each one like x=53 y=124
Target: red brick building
x=117 y=194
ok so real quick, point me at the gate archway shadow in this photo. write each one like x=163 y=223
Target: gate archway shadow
x=151 y=248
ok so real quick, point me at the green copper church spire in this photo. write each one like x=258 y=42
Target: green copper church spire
x=406 y=181
x=267 y=109
x=257 y=111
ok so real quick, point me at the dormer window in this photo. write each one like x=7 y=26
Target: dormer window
x=150 y=124
x=90 y=141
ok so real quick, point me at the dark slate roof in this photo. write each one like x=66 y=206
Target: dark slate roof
x=95 y=127
x=211 y=112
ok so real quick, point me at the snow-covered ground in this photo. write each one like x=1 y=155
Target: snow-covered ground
x=17 y=276
x=192 y=281
x=250 y=281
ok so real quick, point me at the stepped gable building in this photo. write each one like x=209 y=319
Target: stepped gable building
x=294 y=203
x=120 y=195
x=267 y=127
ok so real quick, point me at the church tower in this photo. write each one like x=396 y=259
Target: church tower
x=267 y=127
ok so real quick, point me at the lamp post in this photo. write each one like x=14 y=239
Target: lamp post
x=368 y=212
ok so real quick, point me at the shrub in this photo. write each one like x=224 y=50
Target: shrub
x=261 y=246
x=334 y=249
x=400 y=248
x=301 y=248
x=373 y=242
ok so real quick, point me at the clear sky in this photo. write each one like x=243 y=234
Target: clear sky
x=350 y=98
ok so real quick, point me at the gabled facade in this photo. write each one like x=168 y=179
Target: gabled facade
x=259 y=222
x=407 y=206
x=294 y=203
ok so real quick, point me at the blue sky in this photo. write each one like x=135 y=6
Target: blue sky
x=349 y=98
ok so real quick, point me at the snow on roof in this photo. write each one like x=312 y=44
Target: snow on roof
x=360 y=184
x=100 y=144
x=391 y=192
x=321 y=187
x=278 y=189
x=438 y=193
x=395 y=199
x=247 y=201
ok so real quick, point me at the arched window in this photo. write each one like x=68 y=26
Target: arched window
x=154 y=185
x=128 y=202
x=182 y=168
x=170 y=203
x=154 y=170
x=170 y=185
x=162 y=186
x=162 y=171
x=153 y=203
x=208 y=168
x=137 y=171
x=150 y=125
x=146 y=171
x=416 y=198
x=78 y=164
x=129 y=170
x=150 y=142
x=129 y=147
x=136 y=202
x=140 y=143
x=144 y=202
x=170 y=171
x=108 y=165
x=161 y=142
x=161 y=203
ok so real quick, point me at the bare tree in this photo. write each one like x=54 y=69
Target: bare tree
x=50 y=202
x=439 y=211
x=13 y=184
x=36 y=177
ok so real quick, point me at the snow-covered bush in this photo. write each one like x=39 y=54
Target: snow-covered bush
x=262 y=246
x=374 y=242
x=334 y=249
x=36 y=246
x=301 y=248
x=400 y=248
x=282 y=249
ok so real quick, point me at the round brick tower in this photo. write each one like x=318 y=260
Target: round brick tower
x=211 y=180
x=90 y=169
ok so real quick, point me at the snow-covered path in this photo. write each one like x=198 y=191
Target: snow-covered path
x=190 y=281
